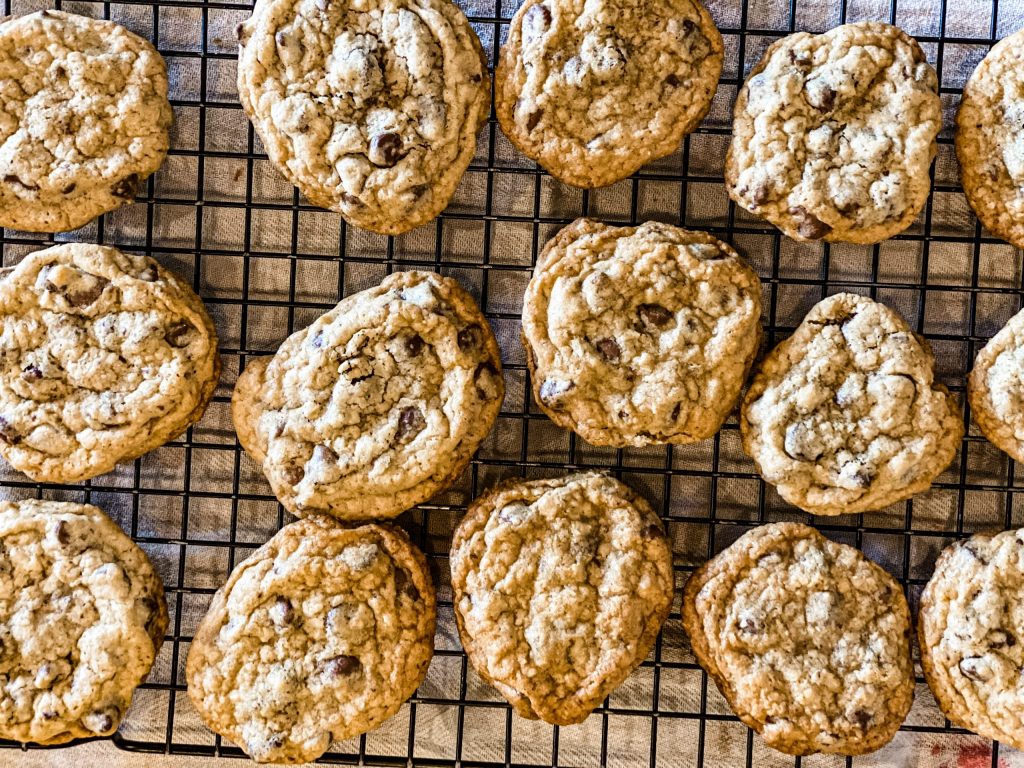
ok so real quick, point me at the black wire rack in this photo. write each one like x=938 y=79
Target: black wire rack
x=267 y=263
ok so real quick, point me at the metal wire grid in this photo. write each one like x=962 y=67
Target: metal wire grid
x=267 y=263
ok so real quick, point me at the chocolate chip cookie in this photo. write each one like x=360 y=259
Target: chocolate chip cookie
x=640 y=335
x=106 y=355
x=320 y=635
x=594 y=90
x=81 y=621
x=808 y=640
x=970 y=625
x=377 y=405
x=560 y=586
x=990 y=140
x=833 y=134
x=370 y=108
x=845 y=415
x=995 y=388
x=84 y=119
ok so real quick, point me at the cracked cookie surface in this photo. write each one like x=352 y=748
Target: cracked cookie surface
x=104 y=356
x=807 y=639
x=594 y=90
x=995 y=388
x=640 y=335
x=990 y=139
x=84 y=119
x=833 y=134
x=376 y=406
x=82 y=620
x=560 y=589
x=845 y=415
x=370 y=108
x=970 y=628
x=320 y=635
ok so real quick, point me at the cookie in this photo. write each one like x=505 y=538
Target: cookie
x=370 y=108
x=560 y=588
x=377 y=405
x=318 y=636
x=845 y=416
x=640 y=335
x=970 y=625
x=105 y=356
x=81 y=621
x=990 y=140
x=84 y=119
x=807 y=639
x=593 y=91
x=995 y=388
x=833 y=134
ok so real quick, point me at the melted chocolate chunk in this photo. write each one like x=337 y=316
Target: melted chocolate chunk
x=342 y=665
x=386 y=149
x=609 y=349
x=404 y=585
x=410 y=422
x=469 y=338
x=809 y=225
x=127 y=187
x=654 y=314
x=179 y=335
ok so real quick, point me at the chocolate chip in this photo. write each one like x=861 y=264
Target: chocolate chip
x=469 y=338
x=178 y=335
x=972 y=668
x=81 y=292
x=688 y=27
x=12 y=179
x=820 y=96
x=673 y=81
x=863 y=478
x=148 y=273
x=552 y=389
x=760 y=194
x=1000 y=639
x=414 y=345
x=31 y=373
x=536 y=21
x=533 y=118
x=404 y=585
x=419 y=190
x=49 y=715
x=8 y=433
x=281 y=38
x=351 y=199
x=241 y=33
x=609 y=349
x=60 y=531
x=749 y=625
x=341 y=665
x=281 y=612
x=809 y=225
x=386 y=149
x=862 y=718
x=410 y=422
x=654 y=314
x=483 y=377
x=801 y=444
x=324 y=454
x=293 y=474
x=801 y=59
x=126 y=187
x=99 y=721
x=69 y=188
x=674 y=416
x=275 y=742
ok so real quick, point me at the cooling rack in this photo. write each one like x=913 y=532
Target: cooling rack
x=267 y=263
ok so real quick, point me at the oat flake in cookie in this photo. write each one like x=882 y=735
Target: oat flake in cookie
x=320 y=635
x=370 y=107
x=81 y=621
x=593 y=90
x=845 y=415
x=995 y=388
x=808 y=640
x=84 y=118
x=377 y=405
x=560 y=586
x=990 y=139
x=970 y=629
x=833 y=134
x=640 y=335
x=104 y=356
